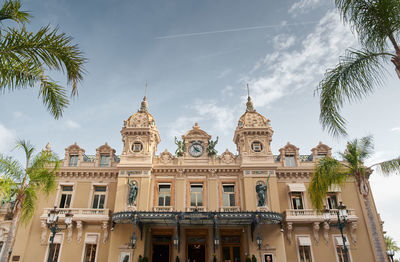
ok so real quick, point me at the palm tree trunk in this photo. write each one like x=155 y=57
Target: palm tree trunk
x=396 y=59
x=8 y=245
x=380 y=253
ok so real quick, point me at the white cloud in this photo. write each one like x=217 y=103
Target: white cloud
x=395 y=129
x=7 y=139
x=227 y=91
x=284 y=41
x=283 y=72
x=72 y=124
x=181 y=125
x=303 y=6
x=17 y=114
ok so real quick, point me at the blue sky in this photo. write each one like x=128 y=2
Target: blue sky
x=197 y=57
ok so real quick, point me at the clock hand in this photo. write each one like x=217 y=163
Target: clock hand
x=196 y=149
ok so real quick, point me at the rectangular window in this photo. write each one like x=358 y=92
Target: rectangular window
x=305 y=254
x=319 y=156
x=99 y=197
x=55 y=252
x=297 y=200
x=66 y=195
x=73 y=160
x=290 y=161
x=343 y=256
x=164 y=195
x=90 y=253
x=228 y=196
x=104 y=160
x=331 y=201
x=196 y=195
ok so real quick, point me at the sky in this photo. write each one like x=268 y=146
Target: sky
x=197 y=57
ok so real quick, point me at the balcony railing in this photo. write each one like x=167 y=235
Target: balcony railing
x=196 y=208
x=163 y=209
x=82 y=214
x=230 y=209
x=311 y=215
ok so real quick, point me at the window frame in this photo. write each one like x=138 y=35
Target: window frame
x=87 y=242
x=70 y=158
x=298 y=247
x=93 y=193
x=196 y=193
x=59 y=193
x=235 y=192
x=290 y=156
x=335 y=247
x=101 y=158
x=328 y=196
x=156 y=190
x=61 y=235
x=301 y=197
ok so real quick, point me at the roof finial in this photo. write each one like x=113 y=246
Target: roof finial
x=144 y=104
x=249 y=104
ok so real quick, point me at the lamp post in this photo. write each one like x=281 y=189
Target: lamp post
x=52 y=224
x=390 y=254
x=342 y=216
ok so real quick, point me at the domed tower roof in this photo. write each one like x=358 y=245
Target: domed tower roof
x=251 y=118
x=142 y=118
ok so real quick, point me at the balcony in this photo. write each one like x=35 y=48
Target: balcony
x=311 y=215
x=163 y=209
x=81 y=214
x=229 y=209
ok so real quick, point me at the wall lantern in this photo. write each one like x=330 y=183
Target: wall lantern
x=259 y=241
x=133 y=240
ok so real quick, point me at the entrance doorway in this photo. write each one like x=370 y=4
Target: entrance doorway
x=196 y=253
x=161 y=249
x=231 y=253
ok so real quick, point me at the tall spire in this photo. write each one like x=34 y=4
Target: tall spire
x=249 y=104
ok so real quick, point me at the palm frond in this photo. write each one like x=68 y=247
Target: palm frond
x=54 y=97
x=48 y=47
x=43 y=170
x=11 y=10
x=11 y=168
x=7 y=189
x=373 y=21
x=28 y=204
x=27 y=147
x=366 y=147
x=388 y=167
x=328 y=171
x=355 y=77
x=391 y=244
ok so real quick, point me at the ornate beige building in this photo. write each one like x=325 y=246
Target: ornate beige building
x=196 y=205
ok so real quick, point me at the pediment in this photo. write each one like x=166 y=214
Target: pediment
x=196 y=134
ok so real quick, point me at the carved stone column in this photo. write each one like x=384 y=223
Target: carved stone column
x=353 y=232
x=105 y=231
x=43 y=225
x=289 y=229
x=326 y=232
x=316 y=231
x=79 y=227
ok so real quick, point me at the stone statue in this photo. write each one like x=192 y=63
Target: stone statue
x=262 y=193
x=211 y=147
x=133 y=191
x=181 y=147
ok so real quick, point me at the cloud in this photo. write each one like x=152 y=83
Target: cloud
x=72 y=124
x=181 y=125
x=7 y=138
x=224 y=73
x=17 y=114
x=283 y=72
x=283 y=41
x=395 y=129
x=304 y=6
x=227 y=91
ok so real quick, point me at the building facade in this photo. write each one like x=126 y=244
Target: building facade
x=195 y=205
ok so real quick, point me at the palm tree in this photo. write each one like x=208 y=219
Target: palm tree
x=23 y=183
x=391 y=244
x=25 y=58
x=329 y=171
x=376 y=23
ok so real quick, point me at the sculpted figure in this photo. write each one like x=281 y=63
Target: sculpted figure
x=262 y=192
x=133 y=191
x=211 y=147
x=181 y=147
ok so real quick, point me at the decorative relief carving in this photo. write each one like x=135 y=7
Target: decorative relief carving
x=353 y=232
x=166 y=157
x=326 y=232
x=289 y=229
x=316 y=231
x=227 y=157
x=79 y=227
x=105 y=231
x=69 y=236
x=43 y=225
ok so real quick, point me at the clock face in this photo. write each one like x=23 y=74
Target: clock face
x=196 y=149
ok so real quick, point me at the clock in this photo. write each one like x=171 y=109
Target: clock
x=196 y=149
